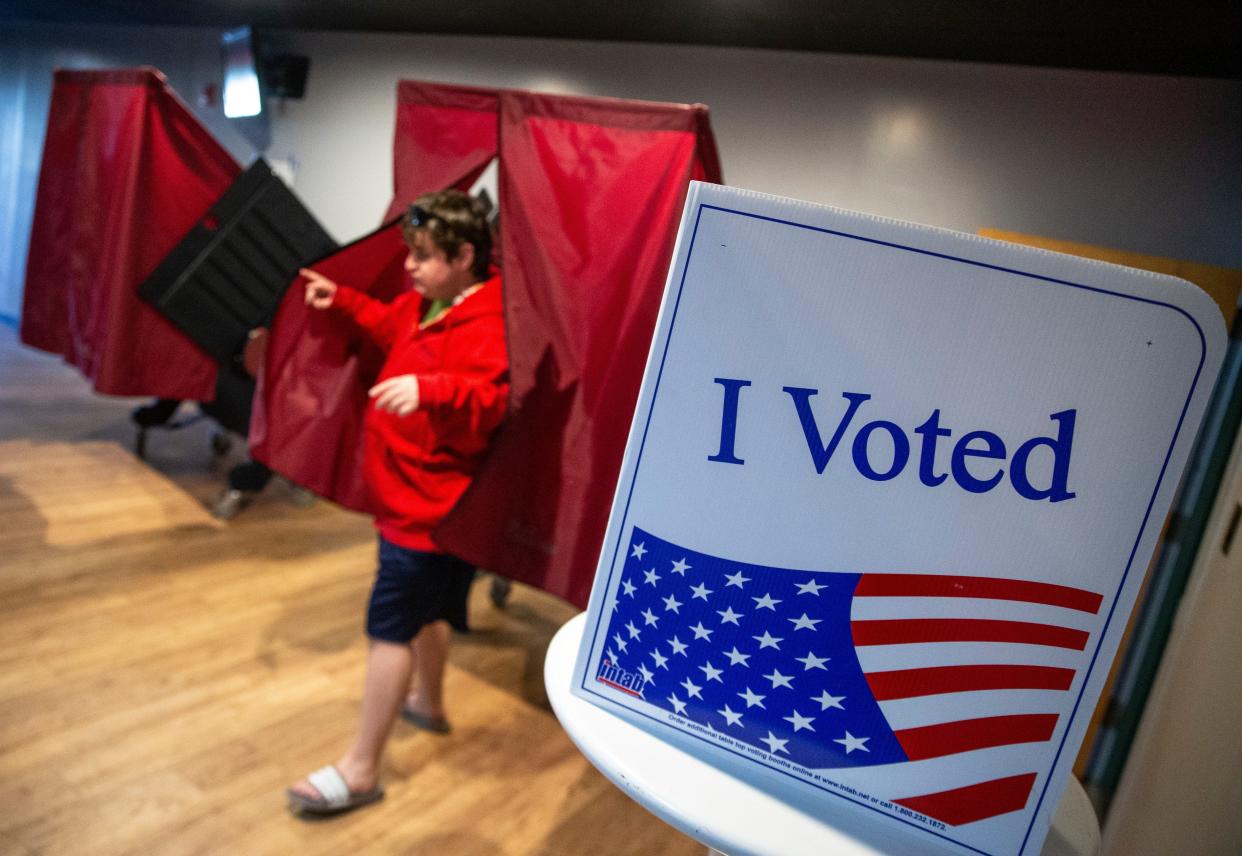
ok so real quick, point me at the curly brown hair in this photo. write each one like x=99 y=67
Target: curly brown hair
x=452 y=218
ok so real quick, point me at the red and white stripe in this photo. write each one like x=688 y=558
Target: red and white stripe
x=969 y=672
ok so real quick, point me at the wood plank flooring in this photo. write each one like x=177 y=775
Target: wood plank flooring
x=163 y=676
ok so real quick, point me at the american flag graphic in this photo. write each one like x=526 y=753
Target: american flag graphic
x=943 y=680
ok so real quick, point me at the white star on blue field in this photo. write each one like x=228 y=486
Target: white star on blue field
x=762 y=654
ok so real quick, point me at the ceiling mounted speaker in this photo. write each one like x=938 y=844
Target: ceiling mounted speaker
x=285 y=75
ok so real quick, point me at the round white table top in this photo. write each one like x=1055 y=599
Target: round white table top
x=727 y=813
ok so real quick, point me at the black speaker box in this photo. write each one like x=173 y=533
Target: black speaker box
x=285 y=75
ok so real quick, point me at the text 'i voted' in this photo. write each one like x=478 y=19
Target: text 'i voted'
x=975 y=462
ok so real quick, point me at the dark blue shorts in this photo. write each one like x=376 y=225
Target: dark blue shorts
x=413 y=589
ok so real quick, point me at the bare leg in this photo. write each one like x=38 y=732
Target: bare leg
x=431 y=647
x=412 y=692
x=388 y=675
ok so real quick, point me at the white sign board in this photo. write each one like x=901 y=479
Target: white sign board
x=887 y=501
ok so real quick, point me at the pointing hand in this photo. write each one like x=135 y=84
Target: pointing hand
x=319 y=289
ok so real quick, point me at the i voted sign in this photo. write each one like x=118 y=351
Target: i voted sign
x=887 y=501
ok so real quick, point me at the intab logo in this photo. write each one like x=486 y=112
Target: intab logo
x=618 y=678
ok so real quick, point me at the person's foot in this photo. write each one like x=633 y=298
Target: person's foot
x=359 y=779
x=230 y=503
x=422 y=716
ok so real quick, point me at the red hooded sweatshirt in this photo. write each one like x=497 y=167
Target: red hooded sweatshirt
x=417 y=466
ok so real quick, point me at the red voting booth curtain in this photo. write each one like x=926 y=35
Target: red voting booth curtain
x=445 y=137
x=591 y=192
x=307 y=418
x=306 y=422
x=127 y=171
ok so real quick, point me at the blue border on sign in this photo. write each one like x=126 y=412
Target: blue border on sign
x=585 y=687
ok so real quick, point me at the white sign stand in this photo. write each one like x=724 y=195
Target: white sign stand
x=885 y=507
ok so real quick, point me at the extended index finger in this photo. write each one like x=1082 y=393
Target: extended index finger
x=313 y=275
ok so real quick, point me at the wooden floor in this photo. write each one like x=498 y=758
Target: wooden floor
x=164 y=676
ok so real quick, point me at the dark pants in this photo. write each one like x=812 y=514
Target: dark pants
x=413 y=589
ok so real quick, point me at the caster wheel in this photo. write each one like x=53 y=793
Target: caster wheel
x=220 y=444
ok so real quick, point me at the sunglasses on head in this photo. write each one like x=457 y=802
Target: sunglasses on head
x=418 y=216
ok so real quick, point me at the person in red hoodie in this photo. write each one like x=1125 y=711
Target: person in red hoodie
x=439 y=397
